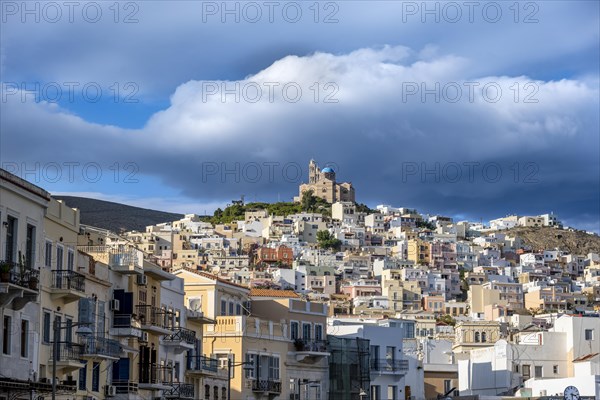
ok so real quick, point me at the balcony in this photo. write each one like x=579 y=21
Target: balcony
x=310 y=351
x=202 y=365
x=266 y=386
x=155 y=319
x=179 y=391
x=180 y=340
x=18 y=285
x=125 y=387
x=99 y=348
x=69 y=356
x=126 y=263
x=67 y=285
x=152 y=377
x=125 y=326
x=389 y=366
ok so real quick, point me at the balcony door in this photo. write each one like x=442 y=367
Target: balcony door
x=120 y=371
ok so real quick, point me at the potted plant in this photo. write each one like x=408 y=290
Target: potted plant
x=33 y=282
x=5 y=267
x=299 y=344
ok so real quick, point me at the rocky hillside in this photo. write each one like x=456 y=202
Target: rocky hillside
x=575 y=242
x=115 y=216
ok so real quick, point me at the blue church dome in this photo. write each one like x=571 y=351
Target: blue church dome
x=326 y=170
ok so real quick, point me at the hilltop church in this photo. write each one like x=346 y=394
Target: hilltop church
x=322 y=183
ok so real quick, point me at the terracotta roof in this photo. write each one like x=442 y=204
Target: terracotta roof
x=273 y=293
x=586 y=357
x=213 y=277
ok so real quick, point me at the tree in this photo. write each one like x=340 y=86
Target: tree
x=308 y=200
x=327 y=241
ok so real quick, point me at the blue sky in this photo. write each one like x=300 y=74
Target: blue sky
x=385 y=97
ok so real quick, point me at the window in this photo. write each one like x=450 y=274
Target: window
x=538 y=371
x=216 y=392
x=391 y=395
x=223 y=393
x=83 y=377
x=483 y=337
x=223 y=307
x=231 y=308
x=96 y=377
x=6 y=338
x=206 y=392
x=306 y=331
x=69 y=330
x=526 y=372
x=589 y=334
x=46 y=328
x=48 y=255
x=59 y=257
x=251 y=358
x=476 y=337
x=30 y=246
x=274 y=368
x=555 y=369
x=238 y=309
x=318 y=332
x=294 y=330
x=70 y=259
x=11 y=236
x=375 y=392
x=447 y=385
x=24 y=338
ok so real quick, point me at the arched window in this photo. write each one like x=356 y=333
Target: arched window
x=483 y=337
x=206 y=392
x=216 y=392
x=476 y=337
x=224 y=393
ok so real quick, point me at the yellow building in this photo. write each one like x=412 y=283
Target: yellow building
x=418 y=251
x=281 y=336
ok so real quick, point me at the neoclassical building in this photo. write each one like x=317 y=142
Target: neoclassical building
x=322 y=183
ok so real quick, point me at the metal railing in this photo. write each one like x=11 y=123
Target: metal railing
x=202 y=363
x=263 y=385
x=181 y=334
x=151 y=315
x=154 y=374
x=125 y=387
x=67 y=279
x=389 y=365
x=122 y=321
x=124 y=259
x=11 y=272
x=101 y=346
x=68 y=351
x=310 y=345
x=179 y=391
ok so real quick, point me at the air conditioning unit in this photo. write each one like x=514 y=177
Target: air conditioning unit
x=142 y=280
x=144 y=337
x=110 y=391
x=114 y=305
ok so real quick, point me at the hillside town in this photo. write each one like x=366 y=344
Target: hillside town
x=320 y=299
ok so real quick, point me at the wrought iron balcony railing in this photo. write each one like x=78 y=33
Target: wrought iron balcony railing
x=122 y=321
x=16 y=274
x=202 y=363
x=154 y=374
x=68 y=351
x=151 y=315
x=179 y=390
x=181 y=334
x=389 y=365
x=263 y=385
x=66 y=279
x=310 y=345
x=102 y=347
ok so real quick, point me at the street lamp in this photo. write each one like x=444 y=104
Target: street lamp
x=249 y=366
x=82 y=331
x=362 y=394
